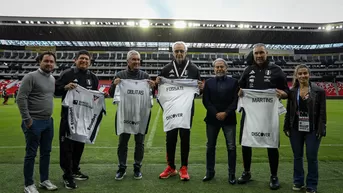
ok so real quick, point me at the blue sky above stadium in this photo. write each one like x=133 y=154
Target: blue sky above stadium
x=299 y=11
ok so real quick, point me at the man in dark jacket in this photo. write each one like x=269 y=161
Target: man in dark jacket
x=180 y=68
x=71 y=151
x=132 y=72
x=220 y=97
x=262 y=75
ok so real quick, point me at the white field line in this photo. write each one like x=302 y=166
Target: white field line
x=153 y=130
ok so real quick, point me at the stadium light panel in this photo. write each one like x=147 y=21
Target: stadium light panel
x=78 y=22
x=130 y=23
x=27 y=22
x=319 y=27
x=19 y=21
x=31 y=22
x=93 y=23
x=299 y=27
x=38 y=22
x=240 y=25
x=144 y=23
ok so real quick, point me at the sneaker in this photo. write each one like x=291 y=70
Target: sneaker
x=80 y=176
x=274 y=183
x=184 y=173
x=298 y=187
x=120 y=174
x=47 y=185
x=137 y=174
x=310 y=190
x=169 y=171
x=246 y=176
x=232 y=179
x=69 y=184
x=31 y=189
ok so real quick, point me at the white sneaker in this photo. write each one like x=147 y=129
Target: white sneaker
x=31 y=189
x=47 y=185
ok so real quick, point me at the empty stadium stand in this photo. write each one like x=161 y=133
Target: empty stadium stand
x=14 y=64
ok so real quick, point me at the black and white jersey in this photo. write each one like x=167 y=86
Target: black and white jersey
x=85 y=110
x=176 y=98
x=134 y=99
x=261 y=124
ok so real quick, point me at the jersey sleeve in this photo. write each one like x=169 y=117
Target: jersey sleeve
x=243 y=80
x=116 y=96
x=68 y=100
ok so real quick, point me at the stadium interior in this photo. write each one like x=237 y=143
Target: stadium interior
x=318 y=46
x=22 y=39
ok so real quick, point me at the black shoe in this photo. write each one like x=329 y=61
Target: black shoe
x=274 y=183
x=232 y=179
x=69 y=183
x=207 y=178
x=246 y=176
x=310 y=190
x=80 y=176
x=120 y=174
x=137 y=174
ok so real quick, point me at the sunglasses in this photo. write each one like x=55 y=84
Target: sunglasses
x=179 y=51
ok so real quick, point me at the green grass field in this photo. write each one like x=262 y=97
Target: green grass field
x=99 y=161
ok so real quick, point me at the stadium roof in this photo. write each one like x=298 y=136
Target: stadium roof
x=158 y=30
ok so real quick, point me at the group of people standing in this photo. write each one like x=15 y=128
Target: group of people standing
x=178 y=83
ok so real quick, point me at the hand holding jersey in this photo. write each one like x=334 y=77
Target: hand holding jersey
x=85 y=109
x=176 y=99
x=134 y=101
x=261 y=123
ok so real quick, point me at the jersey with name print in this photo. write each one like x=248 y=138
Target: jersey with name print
x=176 y=98
x=261 y=124
x=134 y=99
x=85 y=111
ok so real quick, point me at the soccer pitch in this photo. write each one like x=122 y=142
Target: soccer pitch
x=99 y=161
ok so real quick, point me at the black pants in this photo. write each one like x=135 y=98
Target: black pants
x=123 y=147
x=212 y=132
x=70 y=152
x=273 y=154
x=171 y=146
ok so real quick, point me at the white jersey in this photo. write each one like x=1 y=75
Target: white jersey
x=176 y=98
x=134 y=101
x=261 y=125
x=85 y=109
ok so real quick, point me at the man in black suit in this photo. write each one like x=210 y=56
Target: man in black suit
x=220 y=100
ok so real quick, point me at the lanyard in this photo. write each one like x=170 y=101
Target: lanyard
x=183 y=71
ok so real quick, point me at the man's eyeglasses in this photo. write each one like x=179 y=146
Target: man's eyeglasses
x=179 y=51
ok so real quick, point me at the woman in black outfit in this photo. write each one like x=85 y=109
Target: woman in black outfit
x=305 y=123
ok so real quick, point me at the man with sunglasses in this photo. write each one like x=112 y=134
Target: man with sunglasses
x=179 y=68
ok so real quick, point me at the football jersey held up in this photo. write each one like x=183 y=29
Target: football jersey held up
x=85 y=110
x=134 y=101
x=176 y=98
x=261 y=124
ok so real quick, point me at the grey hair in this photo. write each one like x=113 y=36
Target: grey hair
x=180 y=42
x=259 y=45
x=131 y=53
x=220 y=59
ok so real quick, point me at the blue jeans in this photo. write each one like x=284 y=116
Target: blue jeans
x=298 y=139
x=40 y=134
x=212 y=132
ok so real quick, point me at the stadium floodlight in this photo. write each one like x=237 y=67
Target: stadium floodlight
x=31 y=22
x=319 y=27
x=329 y=27
x=240 y=25
x=144 y=23
x=93 y=23
x=27 y=22
x=130 y=23
x=38 y=22
x=180 y=24
x=299 y=27
x=78 y=22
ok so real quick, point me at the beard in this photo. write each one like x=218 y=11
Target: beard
x=47 y=70
x=220 y=74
